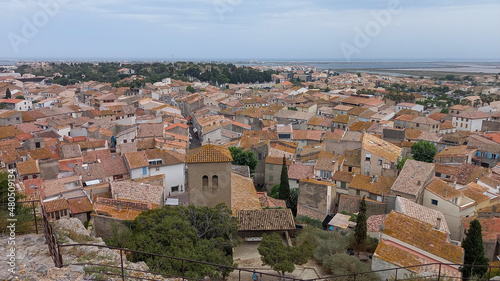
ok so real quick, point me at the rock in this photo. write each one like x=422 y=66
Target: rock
x=28 y=277
x=75 y=268
x=42 y=269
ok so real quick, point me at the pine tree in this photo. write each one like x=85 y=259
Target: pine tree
x=360 y=229
x=474 y=252
x=8 y=95
x=284 y=192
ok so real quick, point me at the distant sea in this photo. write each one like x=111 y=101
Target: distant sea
x=381 y=66
x=492 y=67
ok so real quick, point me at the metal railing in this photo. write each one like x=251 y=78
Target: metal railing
x=27 y=221
x=123 y=272
x=126 y=272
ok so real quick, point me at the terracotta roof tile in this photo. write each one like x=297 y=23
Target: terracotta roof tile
x=269 y=219
x=381 y=148
x=243 y=194
x=209 y=154
x=56 y=205
x=269 y=202
x=136 y=159
x=300 y=171
x=28 y=167
x=80 y=205
x=423 y=236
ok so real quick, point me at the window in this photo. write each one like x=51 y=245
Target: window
x=175 y=188
x=438 y=175
x=454 y=200
x=349 y=169
x=379 y=162
x=144 y=170
x=379 y=198
x=368 y=156
x=124 y=141
x=215 y=181
x=434 y=202
x=271 y=167
x=466 y=125
x=205 y=181
x=37 y=144
x=343 y=185
x=259 y=156
x=271 y=178
x=358 y=192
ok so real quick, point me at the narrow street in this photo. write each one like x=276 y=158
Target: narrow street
x=194 y=142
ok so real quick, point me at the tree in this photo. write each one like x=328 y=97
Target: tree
x=283 y=258
x=474 y=252
x=424 y=151
x=445 y=110
x=193 y=232
x=8 y=95
x=294 y=198
x=190 y=89
x=22 y=214
x=245 y=158
x=275 y=192
x=20 y=97
x=361 y=228
x=401 y=163
x=284 y=193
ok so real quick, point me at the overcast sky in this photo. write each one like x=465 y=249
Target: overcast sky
x=251 y=29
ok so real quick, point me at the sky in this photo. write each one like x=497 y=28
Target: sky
x=340 y=30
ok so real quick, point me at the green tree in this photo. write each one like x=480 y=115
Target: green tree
x=294 y=198
x=401 y=163
x=190 y=89
x=193 y=232
x=275 y=192
x=8 y=95
x=343 y=264
x=474 y=252
x=361 y=228
x=20 y=97
x=245 y=158
x=445 y=110
x=13 y=209
x=284 y=193
x=283 y=258
x=424 y=151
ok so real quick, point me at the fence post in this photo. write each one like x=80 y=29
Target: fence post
x=34 y=215
x=121 y=262
x=182 y=269
x=239 y=275
x=489 y=272
x=439 y=272
x=396 y=277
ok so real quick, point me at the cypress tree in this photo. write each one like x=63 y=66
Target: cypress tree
x=284 y=192
x=361 y=228
x=8 y=95
x=474 y=252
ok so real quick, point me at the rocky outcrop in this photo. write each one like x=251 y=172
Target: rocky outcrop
x=33 y=261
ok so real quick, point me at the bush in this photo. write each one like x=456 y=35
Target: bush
x=343 y=264
x=309 y=221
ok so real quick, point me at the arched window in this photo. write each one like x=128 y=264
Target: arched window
x=215 y=181
x=205 y=181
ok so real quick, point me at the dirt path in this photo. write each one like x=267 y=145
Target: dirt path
x=247 y=256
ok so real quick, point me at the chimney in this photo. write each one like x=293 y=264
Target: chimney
x=438 y=223
x=375 y=178
x=445 y=193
